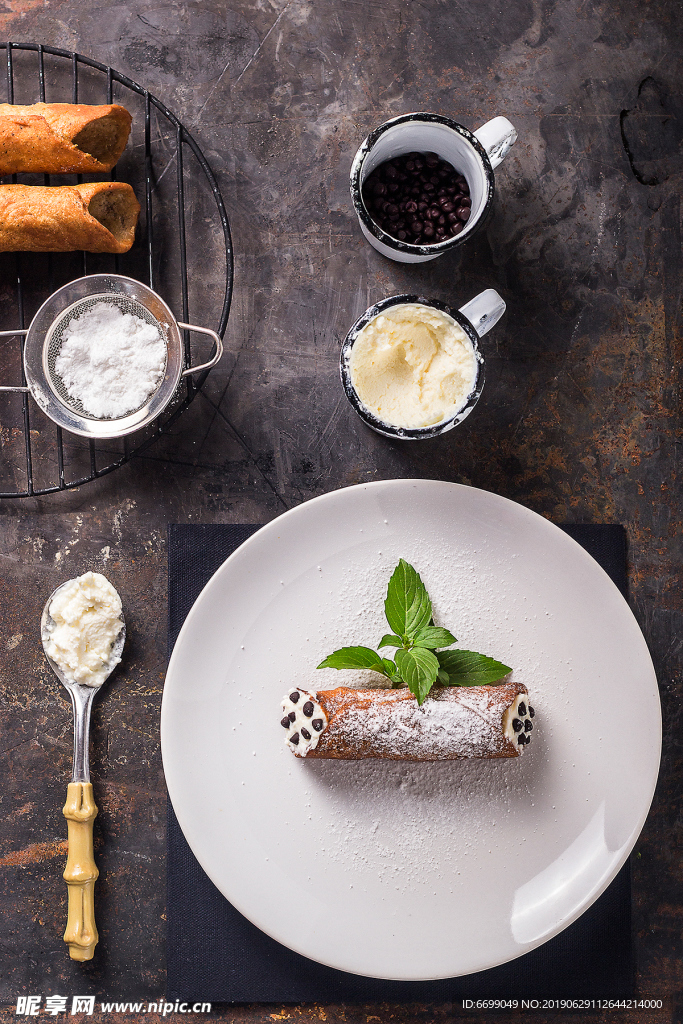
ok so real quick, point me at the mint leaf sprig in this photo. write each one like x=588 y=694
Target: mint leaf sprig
x=418 y=662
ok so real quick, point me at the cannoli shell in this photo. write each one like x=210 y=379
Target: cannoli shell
x=96 y=217
x=62 y=138
x=452 y=723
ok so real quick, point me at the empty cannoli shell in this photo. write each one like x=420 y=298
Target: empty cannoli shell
x=98 y=217
x=453 y=722
x=62 y=138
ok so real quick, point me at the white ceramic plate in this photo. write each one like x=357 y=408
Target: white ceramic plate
x=411 y=871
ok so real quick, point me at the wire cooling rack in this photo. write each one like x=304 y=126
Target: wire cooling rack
x=183 y=222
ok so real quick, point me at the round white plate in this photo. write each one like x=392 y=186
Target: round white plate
x=398 y=870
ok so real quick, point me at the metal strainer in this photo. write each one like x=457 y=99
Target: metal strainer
x=44 y=340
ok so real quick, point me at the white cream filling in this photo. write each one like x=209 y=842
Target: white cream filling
x=302 y=712
x=521 y=717
x=413 y=365
x=86 y=620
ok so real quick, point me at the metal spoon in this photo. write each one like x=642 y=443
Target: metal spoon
x=80 y=809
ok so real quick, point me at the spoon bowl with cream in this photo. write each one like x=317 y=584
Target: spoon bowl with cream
x=411 y=367
x=83 y=633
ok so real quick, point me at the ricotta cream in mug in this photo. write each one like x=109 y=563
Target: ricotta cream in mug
x=413 y=366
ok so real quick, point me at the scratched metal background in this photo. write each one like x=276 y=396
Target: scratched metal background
x=579 y=420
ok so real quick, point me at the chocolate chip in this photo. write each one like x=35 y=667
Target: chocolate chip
x=521 y=708
x=294 y=696
x=317 y=724
x=308 y=708
x=531 y=712
x=291 y=715
x=528 y=726
x=284 y=722
x=516 y=724
x=521 y=739
x=294 y=738
x=306 y=734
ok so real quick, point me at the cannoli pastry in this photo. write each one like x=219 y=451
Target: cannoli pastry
x=62 y=138
x=453 y=722
x=98 y=217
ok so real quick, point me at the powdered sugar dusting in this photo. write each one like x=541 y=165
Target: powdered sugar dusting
x=438 y=729
x=452 y=723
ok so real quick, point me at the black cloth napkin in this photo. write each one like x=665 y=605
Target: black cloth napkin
x=214 y=954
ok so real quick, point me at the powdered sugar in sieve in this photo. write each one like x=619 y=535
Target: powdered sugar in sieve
x=106 y=356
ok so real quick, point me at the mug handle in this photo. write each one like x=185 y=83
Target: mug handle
x=497 y=136
x=484 y=310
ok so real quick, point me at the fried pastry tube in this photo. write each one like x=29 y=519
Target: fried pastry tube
x=454 y=722
x=98 y=217
x=62 y=138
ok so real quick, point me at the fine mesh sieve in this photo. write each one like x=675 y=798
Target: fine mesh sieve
x=45 y=336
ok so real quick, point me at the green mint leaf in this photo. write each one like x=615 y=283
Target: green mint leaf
x=390 y=640
x=443 y=677
x=407 y=604
x=418 y=669
x=466 y=668
x=354 y=657
x=433 y=637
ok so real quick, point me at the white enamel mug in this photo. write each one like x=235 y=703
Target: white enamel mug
x=473 y=154
x=476 y=318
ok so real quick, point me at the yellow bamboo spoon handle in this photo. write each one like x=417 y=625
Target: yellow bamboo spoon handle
x=80 y=871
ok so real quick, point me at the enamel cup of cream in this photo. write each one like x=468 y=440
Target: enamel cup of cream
x=411 y=367
x=472 y=154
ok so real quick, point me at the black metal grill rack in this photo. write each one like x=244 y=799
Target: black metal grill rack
x=147 y=263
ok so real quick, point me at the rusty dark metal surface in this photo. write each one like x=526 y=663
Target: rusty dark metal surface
x=580 y=417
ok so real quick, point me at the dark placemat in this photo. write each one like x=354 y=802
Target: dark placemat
x=214 y=954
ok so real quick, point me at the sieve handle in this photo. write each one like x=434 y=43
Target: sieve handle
x=218 y=353
x=13 y=334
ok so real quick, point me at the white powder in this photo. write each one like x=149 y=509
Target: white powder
x=110 y=360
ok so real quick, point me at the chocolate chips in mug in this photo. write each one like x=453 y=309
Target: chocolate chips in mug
x=418 y=198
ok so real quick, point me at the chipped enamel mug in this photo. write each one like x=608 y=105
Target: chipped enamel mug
x=476 y=318
x=473 y=154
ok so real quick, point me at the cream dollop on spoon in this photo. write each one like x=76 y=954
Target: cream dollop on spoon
x=83 y=633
